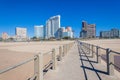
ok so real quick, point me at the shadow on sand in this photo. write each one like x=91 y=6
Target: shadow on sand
x=82 y=54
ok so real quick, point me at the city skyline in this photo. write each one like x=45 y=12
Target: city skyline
x=27 y=13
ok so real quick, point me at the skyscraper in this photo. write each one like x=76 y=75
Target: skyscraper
x=39 y=31
x=21 y=33
x=52 y=26
x=88 y=30
x=48 y=29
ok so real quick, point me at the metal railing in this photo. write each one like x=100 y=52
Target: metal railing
x=96 y=50
x=38 y=61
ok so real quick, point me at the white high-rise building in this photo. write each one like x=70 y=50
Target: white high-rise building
x=21 y=32
x=48 y=29
x=39 y=31
x=52 y=26
x=5 y=36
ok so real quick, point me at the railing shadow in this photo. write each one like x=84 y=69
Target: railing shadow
x=89 y=61
x=81 y=51
x=85 y=55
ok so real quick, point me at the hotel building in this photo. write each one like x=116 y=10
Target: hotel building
x=113 y=33
x=88 y=30
x=21 y=33
x=67 y=32
x=52 y=26
x=39 y=31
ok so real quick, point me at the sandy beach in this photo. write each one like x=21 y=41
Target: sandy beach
x=113 y=44
x=15 y=52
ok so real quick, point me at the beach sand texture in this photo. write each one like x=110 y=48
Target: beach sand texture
x=16 y=52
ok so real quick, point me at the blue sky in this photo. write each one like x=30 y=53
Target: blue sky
x=27 y=13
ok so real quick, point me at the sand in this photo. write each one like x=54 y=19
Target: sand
x=15 y=52
x=12 y=53
x=113 y=44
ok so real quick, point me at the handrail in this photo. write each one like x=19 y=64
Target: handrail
x=16 y=65
x=109 y=54
x=47 y=64
x=46 y=52
x=102 y=48
x=115 y=52
x=94 y=45
x=38 y=62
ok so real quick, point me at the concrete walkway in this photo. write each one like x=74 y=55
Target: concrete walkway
x=77 y=66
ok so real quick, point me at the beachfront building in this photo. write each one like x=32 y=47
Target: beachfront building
x=119 y=33
x=60 y=32
x=4 y=36
x=21 y=34
x=88 y=30
x=67 y=32
x=52 y=26
x=39 y=31
x=113 y=33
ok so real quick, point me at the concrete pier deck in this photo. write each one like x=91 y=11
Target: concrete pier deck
x=79 y=66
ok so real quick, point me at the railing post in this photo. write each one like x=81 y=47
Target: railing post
x=63 y=50
x=98 y=53
x=110 y=62
x=66 y=48
x=89 y=48
x=38 y=66
x=54 y=59
x=60 y=53
x=92 y=51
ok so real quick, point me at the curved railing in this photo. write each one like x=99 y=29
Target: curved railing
x=96 y=50
x=38 y=61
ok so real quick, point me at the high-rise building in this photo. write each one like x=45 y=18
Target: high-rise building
x=88 y=30
x=63 y=29
x=52 y=26
x=21 y=33
x=4 y=36
x=39 y=31
x=119 y=33
x=60 y=31
x=113 y=33
x=48 y=30
x=67 y=32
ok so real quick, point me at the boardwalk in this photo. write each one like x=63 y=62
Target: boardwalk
x=77 y=66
